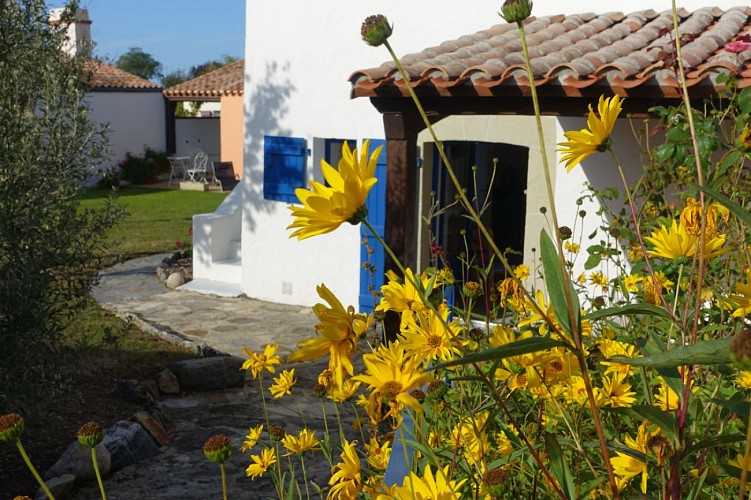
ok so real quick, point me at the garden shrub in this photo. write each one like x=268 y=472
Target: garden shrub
x=146 y=168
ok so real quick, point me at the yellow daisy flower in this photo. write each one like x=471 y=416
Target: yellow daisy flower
x=378 y=453
x=625 y=466
x=631 y=281
x=617 y=392
x=305 y=441
x=521 y=272
x=570 y=246
x=429 y=486
x=339 y=329
x=346 y=479
x=425 y=336
x=470 y=437
x=283 y=384
x=599 y=279
x=594 y=138
x=610 y=348
x=391 y=375
x=742 y=300
x=252 y=438
x=401 y=295
x=744 y=379
x=344 y=392
x=259 y=362
x=676 y=242
x=326 y=207
x=261 y=463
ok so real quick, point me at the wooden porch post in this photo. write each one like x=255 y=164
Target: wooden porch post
x=401 y=197
x=169 y=120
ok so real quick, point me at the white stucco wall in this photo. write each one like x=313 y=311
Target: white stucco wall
x=135 y=119
x=198 y=133
x=297 y=86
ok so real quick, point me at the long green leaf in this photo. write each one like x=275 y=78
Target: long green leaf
x=715 y=441
x=555 y=283
x=737 y=210
x=740 y=408
x=524 y=346
x=559 y=466
x=709 y=352
x=628 y=310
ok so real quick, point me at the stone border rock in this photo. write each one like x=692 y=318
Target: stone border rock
x=144 y=434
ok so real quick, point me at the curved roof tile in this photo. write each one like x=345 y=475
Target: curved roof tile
x=626 y=53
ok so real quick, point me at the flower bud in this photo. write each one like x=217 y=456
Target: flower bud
x=319 y=390
x=495 y=483
x=11 y=427
x=472 y=289
x=418 y=394
x=90 y=434
x=436 y=390
x=276 y=432
x=218 y=449
x=516 y=11
x=564 y=232
x=740 y=350
x=375 y=30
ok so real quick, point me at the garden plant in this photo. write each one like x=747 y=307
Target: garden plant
x=630 y=380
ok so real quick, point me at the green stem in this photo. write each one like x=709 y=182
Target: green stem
x=224 y=481
x=746 y=456
x=33 y=470
x=575 y=333
x=305 y=476
x=98 y=475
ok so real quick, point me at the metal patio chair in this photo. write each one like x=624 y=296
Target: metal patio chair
x=197 y=173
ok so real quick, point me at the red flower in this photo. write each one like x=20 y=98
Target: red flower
x=190 y=231
x=737 y=46
x=179 y=244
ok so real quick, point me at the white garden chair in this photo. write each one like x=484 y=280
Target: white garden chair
x=197 y=173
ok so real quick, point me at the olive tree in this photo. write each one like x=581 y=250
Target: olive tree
x=48 y=146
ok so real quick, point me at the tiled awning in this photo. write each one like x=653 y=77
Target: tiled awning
x=225 y=81
x=583 y=55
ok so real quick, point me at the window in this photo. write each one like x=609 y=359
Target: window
x=284 y=163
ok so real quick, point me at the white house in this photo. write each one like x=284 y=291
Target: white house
x=298 y=109
x=130 y=107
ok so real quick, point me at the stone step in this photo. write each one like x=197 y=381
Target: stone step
x=210 y=287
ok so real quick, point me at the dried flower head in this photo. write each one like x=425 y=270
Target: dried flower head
x=218 y=449
x=11 y=427
x=565 y=232
x=495 y=481
x=436 y=390
x=90 y=434
x=376 y=30
x=418 y=394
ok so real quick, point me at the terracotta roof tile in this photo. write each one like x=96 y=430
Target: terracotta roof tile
x=578 y=55
x=227 y=80
x=106 y=77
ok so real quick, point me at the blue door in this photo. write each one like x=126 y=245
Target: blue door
x=371 y=282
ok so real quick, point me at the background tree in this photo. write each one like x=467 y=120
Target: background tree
x=140 y=63
x=48 y=147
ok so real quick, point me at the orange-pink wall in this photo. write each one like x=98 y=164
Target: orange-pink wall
x=231 y=127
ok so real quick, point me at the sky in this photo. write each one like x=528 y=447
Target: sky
x=177 y=33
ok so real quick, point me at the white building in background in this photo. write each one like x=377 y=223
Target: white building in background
x=298 y=109
x=130 y=107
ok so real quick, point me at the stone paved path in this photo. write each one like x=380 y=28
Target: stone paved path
x=224 y=324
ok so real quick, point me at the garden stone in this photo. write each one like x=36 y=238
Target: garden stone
x=60 y=487
x=154 y=428
x=150 y=388
x=175 y=280
x=208 y=374
x=168 y=382
x=128 y=443
x=130 y=390
x=76 y=460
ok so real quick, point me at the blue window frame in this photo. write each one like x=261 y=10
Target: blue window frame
x=284 y=164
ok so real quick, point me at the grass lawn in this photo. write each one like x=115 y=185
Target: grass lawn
x=157 y=217
x=59 y=388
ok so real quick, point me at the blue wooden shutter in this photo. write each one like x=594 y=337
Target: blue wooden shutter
x=284 y=161
x=376 y=204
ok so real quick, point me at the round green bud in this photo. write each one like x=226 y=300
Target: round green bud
x=218 y=449
x=90 y=434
